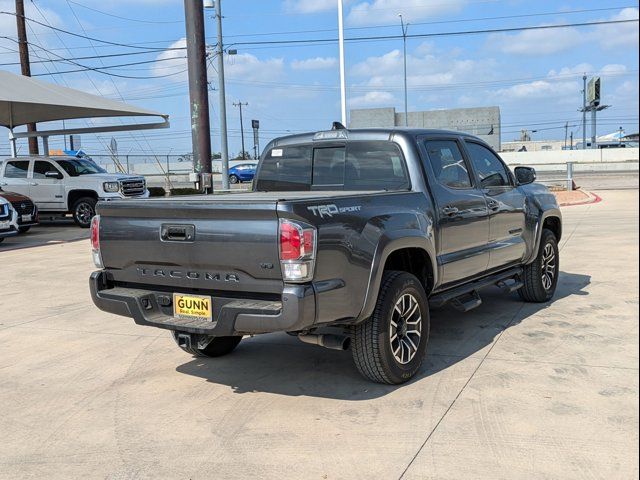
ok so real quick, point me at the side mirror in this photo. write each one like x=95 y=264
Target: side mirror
x=53 y=174
x=525 y=175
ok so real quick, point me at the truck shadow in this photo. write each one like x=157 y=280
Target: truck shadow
x=281 y=364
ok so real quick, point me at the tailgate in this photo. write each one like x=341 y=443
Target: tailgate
x=212 y=243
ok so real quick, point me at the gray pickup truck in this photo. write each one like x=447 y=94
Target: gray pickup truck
x=346 y=240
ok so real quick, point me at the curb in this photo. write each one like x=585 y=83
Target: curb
x=591 y=198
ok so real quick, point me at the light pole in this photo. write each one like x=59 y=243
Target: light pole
x=584 y=112
x=404 y=49
x=224 y=145
x=240 y=105
x=343 y=87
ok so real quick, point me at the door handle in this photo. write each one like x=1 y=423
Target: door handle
x=3 y=184
x=448 y=210
x=33 y=184
x=493 y=205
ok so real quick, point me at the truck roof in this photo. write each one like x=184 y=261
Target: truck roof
x=363 y=134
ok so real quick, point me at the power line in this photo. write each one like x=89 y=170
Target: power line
x=73 y=34
x=123 y=18
x=437 y=34
x=440 y=22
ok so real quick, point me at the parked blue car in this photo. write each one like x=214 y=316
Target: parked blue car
x=242 y=173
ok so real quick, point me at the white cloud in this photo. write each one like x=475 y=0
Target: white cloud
x=317 y=63
x=372 y=99
x=555 y=40
x=242 y=68
x=379 y=12
x=536 y=42
x=8 y=48
x=558 y=85
x=425 y=68
x=309 y=6
x=619 y=35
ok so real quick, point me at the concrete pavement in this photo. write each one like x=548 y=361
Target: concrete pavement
x=509 y=390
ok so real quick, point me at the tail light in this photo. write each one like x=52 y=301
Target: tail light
x=297 y=251
x=95 y=241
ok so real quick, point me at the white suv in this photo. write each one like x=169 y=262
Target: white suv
x=68 y=184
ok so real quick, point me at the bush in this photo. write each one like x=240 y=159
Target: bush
x=157 y=192
x=184 y=191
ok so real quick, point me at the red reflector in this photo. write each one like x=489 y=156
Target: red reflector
x=95 y=233
x=308 y=241
x=290 y=242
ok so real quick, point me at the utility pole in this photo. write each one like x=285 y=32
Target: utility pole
x=224 y=145
x=571 y=148
x=198 y=91
x=23 y=48
x=405 y=28
x=584 y=112
x=343 y=87
x=566 y=128
x=240 y=105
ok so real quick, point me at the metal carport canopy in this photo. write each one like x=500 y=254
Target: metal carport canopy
x=26 y=100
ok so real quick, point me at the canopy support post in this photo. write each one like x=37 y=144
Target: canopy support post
x=12 y=142
x=45 y=146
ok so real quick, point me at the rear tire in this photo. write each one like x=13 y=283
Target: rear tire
x=541 y=276
x=234 y=179
x=390 y=346
x=83 y=210
x=217 y=347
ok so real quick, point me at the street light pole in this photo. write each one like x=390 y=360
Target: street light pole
x=343 y=87
x=404 y=49
x=224 y=145
x=584 y=112
x=240 y=105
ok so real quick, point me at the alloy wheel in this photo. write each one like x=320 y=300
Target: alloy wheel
x=84 y=213
x=405 y=328
x=548 y=266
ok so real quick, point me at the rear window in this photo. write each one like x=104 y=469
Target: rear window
x=375 y=165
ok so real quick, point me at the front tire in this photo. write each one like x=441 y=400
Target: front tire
x=390 y=346
x=23 y=229
x=217 y=347
x=83 y=210
x=541 y=276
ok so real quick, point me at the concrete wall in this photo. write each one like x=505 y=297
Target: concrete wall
x=596 y=156
x=373 y=118
x=476 y=121
x=534 y=145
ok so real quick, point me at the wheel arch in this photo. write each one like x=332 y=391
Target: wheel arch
x=74 y=195
x=550 y=219
x=409 y=252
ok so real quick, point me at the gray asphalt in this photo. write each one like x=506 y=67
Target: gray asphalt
x=509 y=390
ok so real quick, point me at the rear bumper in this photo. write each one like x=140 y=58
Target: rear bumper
x=231 y=316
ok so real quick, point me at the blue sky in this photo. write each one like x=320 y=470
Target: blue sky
x=533 y=76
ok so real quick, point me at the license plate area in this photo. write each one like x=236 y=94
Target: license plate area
x=4 y=225
x=26 y=218
x=192 y=307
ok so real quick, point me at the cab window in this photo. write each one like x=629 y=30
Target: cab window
x=490 y=169
x=448 y=164
x=16 y=169
x=40 y=168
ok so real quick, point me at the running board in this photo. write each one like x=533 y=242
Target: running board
x=467 y=302
x=439 y=299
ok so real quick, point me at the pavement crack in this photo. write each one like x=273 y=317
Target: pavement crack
x=446 y=412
